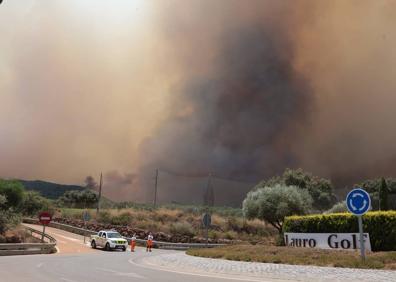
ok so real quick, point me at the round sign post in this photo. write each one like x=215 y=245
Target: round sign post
x=358 y=202
x=207 y=221
x=86 y=217
x=44 y=218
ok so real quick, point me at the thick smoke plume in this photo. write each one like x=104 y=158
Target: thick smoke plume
x=236 y=122
x=274 y=85
x=239 y=89
x=240 y=116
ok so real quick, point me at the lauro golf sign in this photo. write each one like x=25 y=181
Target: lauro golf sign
x=333 y=241
x=358 y=202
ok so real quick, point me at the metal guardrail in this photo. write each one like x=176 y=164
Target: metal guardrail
x=141 y=242
x=69 y=228
x=9 y=249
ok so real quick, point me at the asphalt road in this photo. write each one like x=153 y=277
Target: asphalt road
x=77 y=262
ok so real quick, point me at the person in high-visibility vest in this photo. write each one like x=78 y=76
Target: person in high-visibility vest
x=133 y=242
x=150 y=239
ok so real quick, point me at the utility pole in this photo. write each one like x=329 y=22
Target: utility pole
x=156 y=188
x=100 y=195
x=208 y=203
x=209 y=193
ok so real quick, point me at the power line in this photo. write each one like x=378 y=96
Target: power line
x=205 y=175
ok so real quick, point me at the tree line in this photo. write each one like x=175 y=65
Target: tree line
x=297 y=192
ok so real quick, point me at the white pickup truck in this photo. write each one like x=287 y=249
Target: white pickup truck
x=108 y=240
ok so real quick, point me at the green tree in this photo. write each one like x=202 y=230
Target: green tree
x=33 y=203
x=375 y=186
x=273 y=204
x=13 y=191
x=320 y=189
x=78 y=199
x=383 y=195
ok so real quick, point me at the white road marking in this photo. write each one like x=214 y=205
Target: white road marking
x=127 y=274
x=68 y=280
x=67 y=238
x=218 y=276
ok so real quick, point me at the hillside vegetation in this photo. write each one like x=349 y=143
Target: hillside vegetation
x=48 y=189
x=177 y=223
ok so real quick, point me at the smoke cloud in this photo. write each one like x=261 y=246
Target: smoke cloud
x=238 y=90
x=234 y=119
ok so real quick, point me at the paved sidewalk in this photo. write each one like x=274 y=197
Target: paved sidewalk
x=244 y=270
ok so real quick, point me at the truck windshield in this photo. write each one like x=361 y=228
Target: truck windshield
x=114 y=235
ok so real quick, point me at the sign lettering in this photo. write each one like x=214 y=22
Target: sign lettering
x=332 y=241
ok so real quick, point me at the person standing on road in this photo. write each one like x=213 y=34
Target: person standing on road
x=150 y=239
x=133 y=242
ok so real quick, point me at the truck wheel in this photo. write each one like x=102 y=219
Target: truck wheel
x=107 y=247
x=93 y=244
x=123 y=249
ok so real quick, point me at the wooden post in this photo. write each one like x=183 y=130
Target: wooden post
x=156 y=188
x=100 y=196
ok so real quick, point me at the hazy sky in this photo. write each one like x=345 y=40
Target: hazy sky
x=81 y=83
x=87 y=86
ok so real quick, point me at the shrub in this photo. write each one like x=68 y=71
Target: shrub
x=3 y=202
x=8 y=220
x=272 y=204
x=338 y=208
x=230 y=235
x=124 y=218
x=182 y=228
x=212 y=234
x=104 y=217
x=381 y=226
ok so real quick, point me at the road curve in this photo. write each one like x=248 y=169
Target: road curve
x=76 y=261
x=67 y=243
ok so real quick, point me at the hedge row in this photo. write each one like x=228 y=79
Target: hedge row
x=381 y=226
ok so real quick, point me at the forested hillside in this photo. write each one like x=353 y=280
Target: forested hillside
x=48 y=189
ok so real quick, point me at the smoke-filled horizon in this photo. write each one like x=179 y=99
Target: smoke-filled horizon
x=196 y=87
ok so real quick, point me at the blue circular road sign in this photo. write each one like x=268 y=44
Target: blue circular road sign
x=207 y=220
x=358 y=201
x=86 y=216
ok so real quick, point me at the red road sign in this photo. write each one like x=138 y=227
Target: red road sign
x=45 y=218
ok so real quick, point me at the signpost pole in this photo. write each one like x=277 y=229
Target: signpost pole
x=207 y=220
x=207 y=235
x=42 y=236
x=44 y=218
x=359 y=202
x=362 y=246
x=85 y=227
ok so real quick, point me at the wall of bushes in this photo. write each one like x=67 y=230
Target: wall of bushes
x=381 y=226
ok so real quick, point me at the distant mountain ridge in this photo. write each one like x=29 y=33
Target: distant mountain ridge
x=48 y=189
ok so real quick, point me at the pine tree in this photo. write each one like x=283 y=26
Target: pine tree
x=383 y=195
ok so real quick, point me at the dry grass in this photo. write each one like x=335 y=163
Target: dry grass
x=175 y=221
x=299 y=256
x=18 y=235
